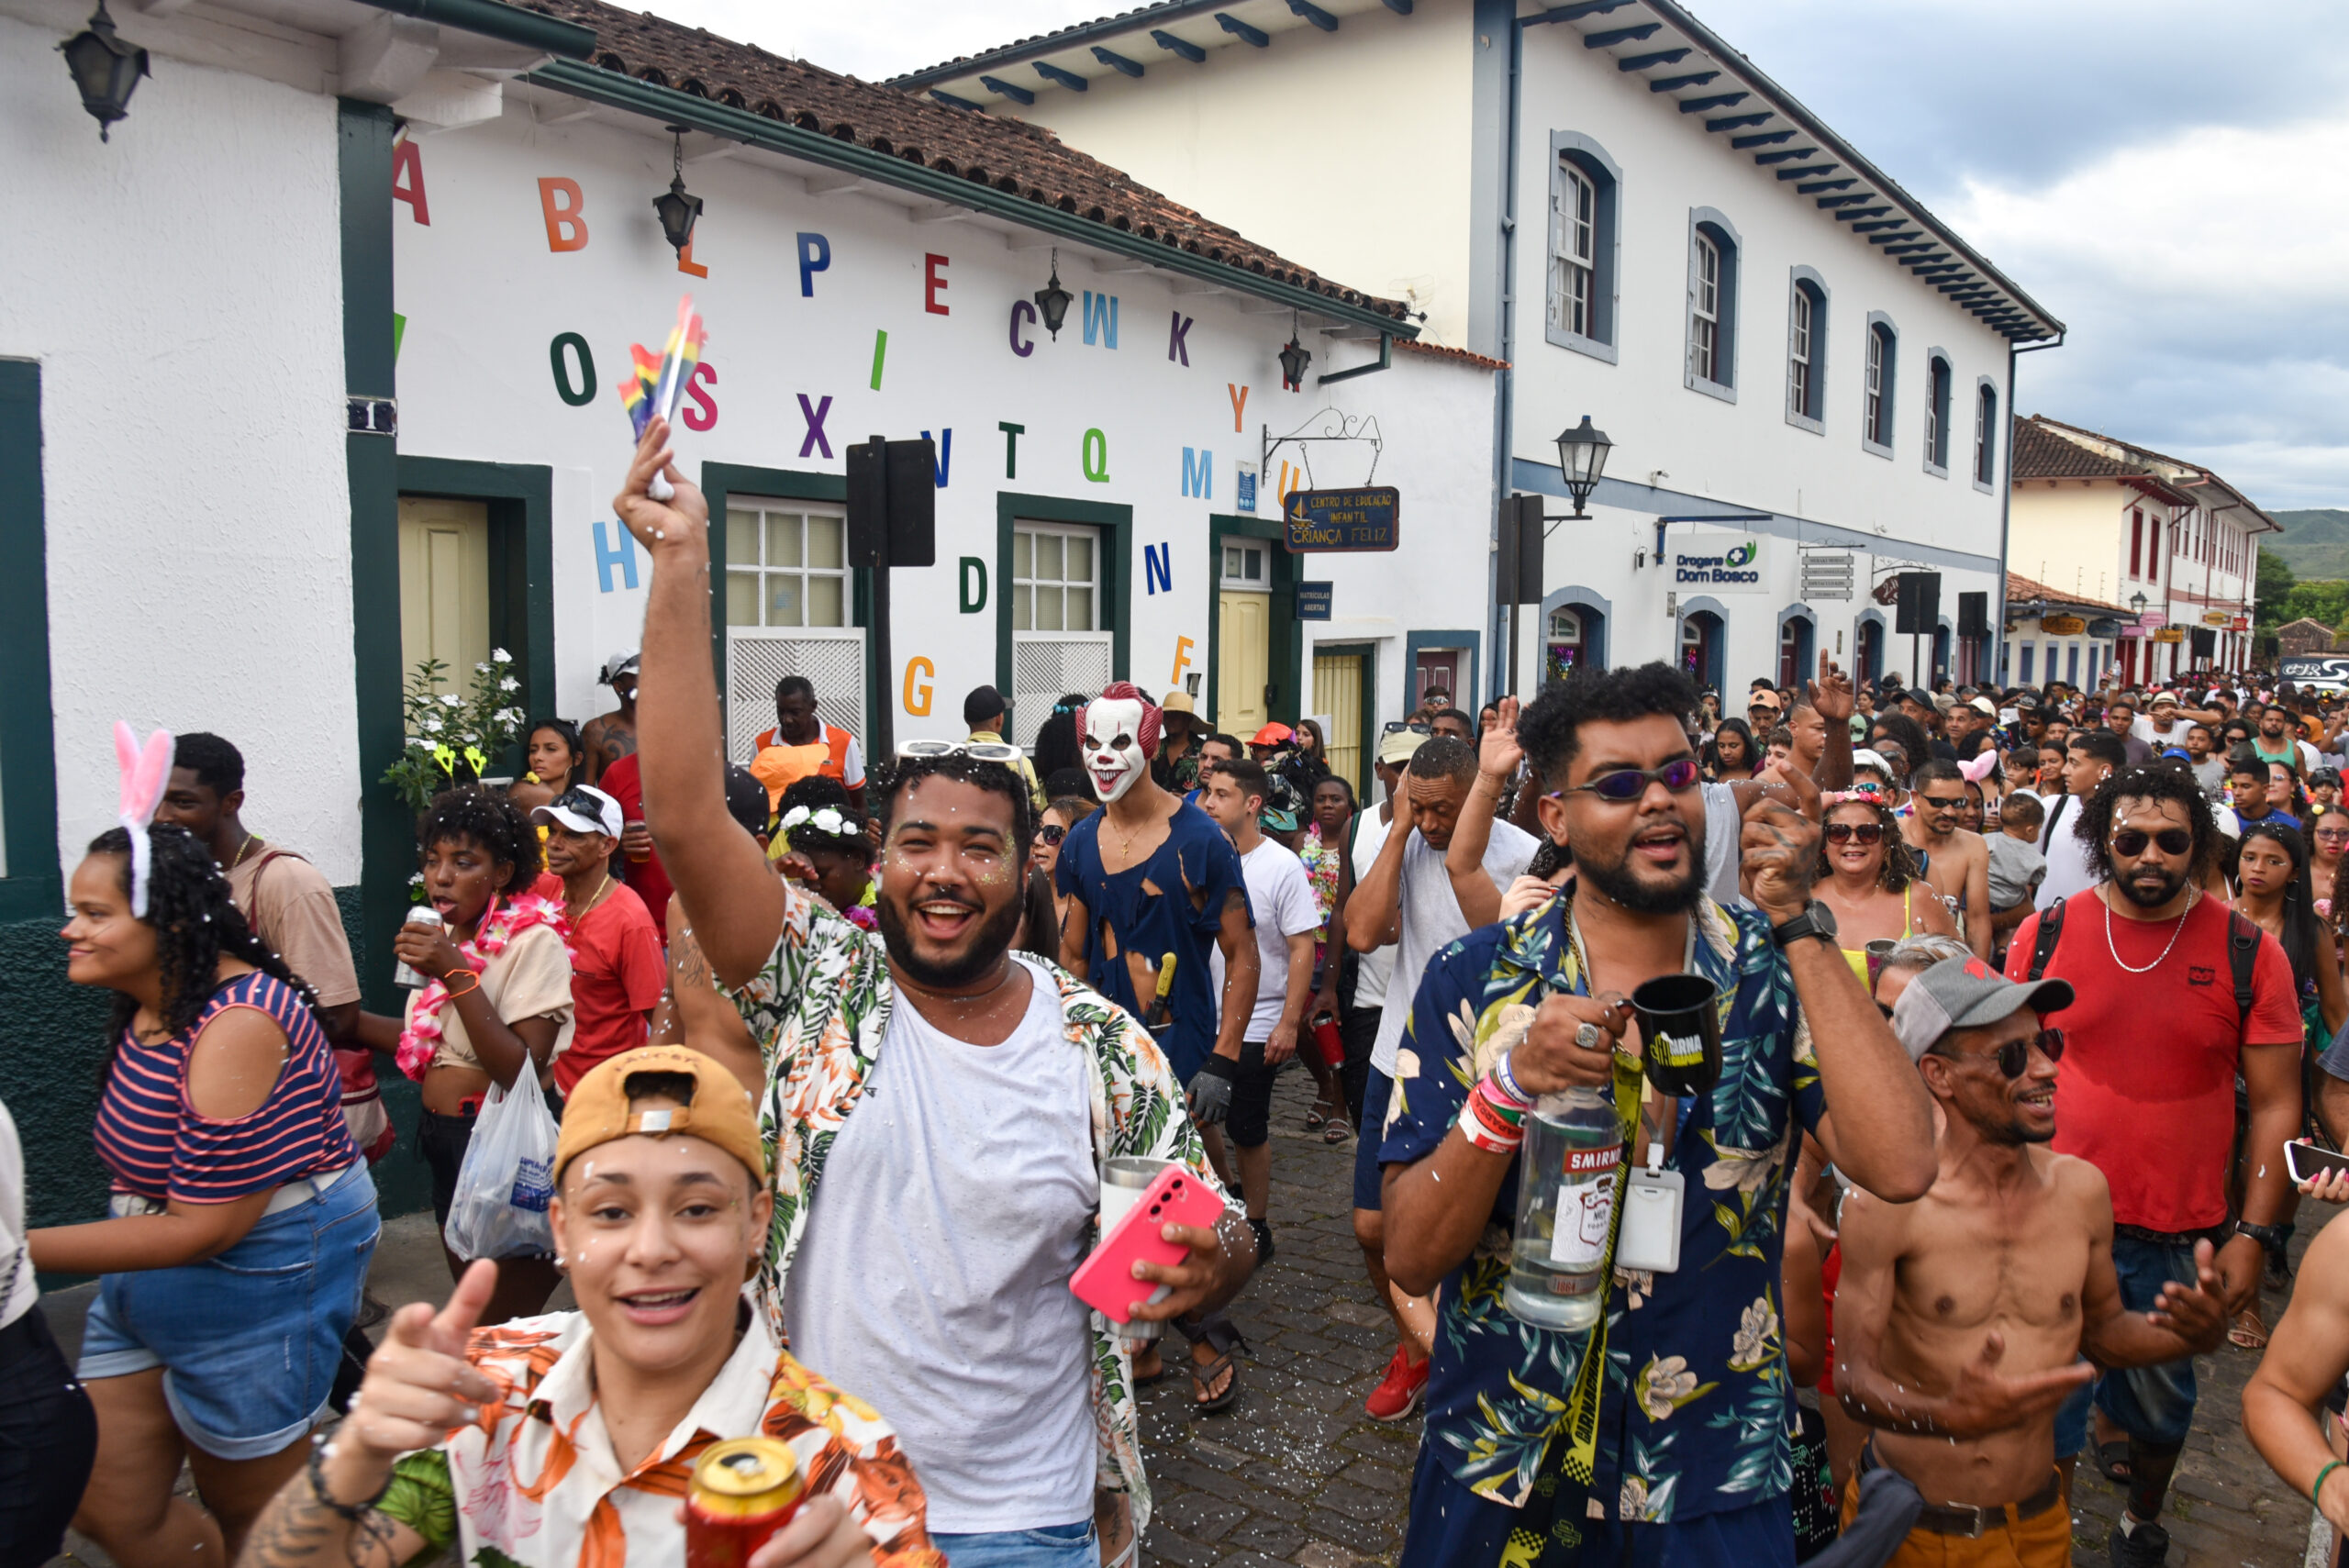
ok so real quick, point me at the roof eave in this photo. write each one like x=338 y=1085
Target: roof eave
x=1054 y=43
x=668 y=105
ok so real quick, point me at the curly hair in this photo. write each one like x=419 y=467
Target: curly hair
x=2095 y=826
x=196 y=925
x=1899 y=868
x=488 y=818
x=994 y=778
x=1908 y=734
x=1549 y=728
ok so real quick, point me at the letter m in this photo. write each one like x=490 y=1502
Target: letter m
x=1198 y=473
x=1101 y=318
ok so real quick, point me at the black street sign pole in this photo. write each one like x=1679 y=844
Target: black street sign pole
x=892 y=521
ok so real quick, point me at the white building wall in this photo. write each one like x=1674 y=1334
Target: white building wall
x=484 y=297
x=181 y=286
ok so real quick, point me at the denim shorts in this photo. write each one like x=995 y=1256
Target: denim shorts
x=2153 y=1403
x=1054 y=1546
x=249 y=1340
x=1369 y=1175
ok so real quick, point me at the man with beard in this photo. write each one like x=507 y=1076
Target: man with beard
x=1962 y=1367
x=1958 y=862
x=1674 y=1449
x=2166 y=1016
x=924 y=1248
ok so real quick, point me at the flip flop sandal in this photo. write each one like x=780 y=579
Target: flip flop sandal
x=1203 y=1378
x=1156 y=1378
x=1314 y=1117
x=1338 y=1131
x=2248 y=1332
x=2112 y=1461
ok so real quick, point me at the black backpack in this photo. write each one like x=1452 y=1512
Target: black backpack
x=2243 y=951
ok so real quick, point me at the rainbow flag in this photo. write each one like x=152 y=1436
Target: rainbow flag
x=654 y=384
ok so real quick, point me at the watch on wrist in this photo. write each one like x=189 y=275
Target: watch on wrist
x=1816 y=920
x=2268 y=1236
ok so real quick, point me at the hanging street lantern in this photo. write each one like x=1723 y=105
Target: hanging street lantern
x=1582 y=459
x=1052 y=300
x=104 y=68
x=678 y=212
x=1294 y=358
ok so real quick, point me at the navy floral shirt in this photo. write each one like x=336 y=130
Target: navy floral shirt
x=1696 y=1404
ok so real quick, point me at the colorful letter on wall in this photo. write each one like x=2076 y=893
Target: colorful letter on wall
x=1023 y=312
x=1239 y=400
x=408 y=163
x=974 y=600
x=933 y=281
x=686 y=265
x=607 y=556
x=945 y=459
x=1182 y=646
x=815 y=256
x=566 y=229
x=920 y=671
x=1096 y=457
x=1158 y=567
x=1101 y=317
x=814 y=414
x=702 y=401
x=584 y=392
x=1011 y=434
x=880 y=354
x=1176 y=349
x=1198 y=477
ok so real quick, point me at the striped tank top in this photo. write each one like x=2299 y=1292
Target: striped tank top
x=156 y=1144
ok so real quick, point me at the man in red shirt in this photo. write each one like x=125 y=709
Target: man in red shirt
x=2146 y=1094
x=616 y=970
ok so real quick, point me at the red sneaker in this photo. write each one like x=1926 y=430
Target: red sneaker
x=1399 y=1392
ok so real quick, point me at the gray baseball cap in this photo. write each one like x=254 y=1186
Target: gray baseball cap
x=1964 y=993
x=618 y=664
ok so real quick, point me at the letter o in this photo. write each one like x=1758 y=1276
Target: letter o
x=585 y=393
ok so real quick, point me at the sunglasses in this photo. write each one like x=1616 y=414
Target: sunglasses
x=1853 y=832
x=1943 y=802
x=1050 y=832
x=1627 y=784
x=1397 y=727
x=2015 y=1055
x=978 y=751
x=2131 y=842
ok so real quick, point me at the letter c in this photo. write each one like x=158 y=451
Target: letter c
x=1022 y=310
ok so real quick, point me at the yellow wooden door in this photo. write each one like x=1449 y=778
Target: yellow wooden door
x=1243 y=661
x=444 y=587
x=1337 y=696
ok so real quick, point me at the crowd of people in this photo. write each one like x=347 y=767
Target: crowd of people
x=836 y=1067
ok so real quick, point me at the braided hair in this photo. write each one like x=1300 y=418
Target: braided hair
x=196 y=925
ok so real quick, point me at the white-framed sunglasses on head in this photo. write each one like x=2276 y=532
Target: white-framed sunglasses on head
x=978 y=751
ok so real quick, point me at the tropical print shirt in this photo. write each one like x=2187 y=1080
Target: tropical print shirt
x=820 y=1010
x=1321 y=863
x=535 y=1482
x=1696 y=1405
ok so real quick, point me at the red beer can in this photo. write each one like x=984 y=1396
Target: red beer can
x=742 y=1491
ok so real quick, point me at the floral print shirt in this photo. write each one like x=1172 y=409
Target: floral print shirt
x=1696 y=1406
x=1321 y=863
x=820 y=1010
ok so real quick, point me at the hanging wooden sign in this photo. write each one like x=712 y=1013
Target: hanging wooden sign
x=1363 y=520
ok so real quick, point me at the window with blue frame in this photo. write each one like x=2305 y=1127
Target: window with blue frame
x=1585 y=198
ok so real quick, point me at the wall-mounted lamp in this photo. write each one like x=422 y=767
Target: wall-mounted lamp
x=678 y=212
x=104 y=68
x=1052 y=300
x=1582 y=459
x=1294 y=358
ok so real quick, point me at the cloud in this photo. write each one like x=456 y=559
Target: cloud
x=876 y=39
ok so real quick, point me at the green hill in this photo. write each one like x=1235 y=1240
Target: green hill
x=2314 y=544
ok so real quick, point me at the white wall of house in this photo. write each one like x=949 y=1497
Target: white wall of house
x=2075 y=534
x=484 y=297
x=181 y=287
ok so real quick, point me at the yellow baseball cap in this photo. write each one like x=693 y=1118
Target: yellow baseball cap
x=717 y=1112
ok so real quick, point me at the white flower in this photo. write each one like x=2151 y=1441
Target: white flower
x=509 y=685
x=1637 y=1283
x=1756 y=1330
x=432 y=724
x=1744 y=1170
x=451 y=700
x=500 y=656
x=1406 y=1064
x=1664 y=1382
x=481 y=669
x=1632 y=1506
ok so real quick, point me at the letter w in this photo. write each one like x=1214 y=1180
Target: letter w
x=1198 y=473
x=1101 y=317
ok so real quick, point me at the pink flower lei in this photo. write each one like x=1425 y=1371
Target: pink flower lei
x=500 y=924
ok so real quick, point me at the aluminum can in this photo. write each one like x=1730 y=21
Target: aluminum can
x=742 y=1491
x=419 y=915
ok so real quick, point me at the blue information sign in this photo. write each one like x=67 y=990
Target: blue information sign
x=1365 y=518
x=1313 y=601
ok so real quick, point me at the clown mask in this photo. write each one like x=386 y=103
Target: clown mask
x=1120 y=734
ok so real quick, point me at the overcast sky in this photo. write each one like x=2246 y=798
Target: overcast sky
x=2167 y=178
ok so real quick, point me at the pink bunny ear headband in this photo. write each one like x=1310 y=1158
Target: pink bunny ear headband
x=1977 y=768
x=145 y=770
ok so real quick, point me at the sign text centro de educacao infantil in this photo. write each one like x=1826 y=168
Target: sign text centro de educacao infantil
x=1365 y=518
x=1732 y=562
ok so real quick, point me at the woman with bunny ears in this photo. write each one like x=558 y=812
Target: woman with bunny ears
x=243 y=1217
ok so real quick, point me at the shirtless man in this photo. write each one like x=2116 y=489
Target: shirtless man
x=1959 y=1366
x=608 y=739
x=1958 y=860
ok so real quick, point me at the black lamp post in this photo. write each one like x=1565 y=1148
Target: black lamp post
x=1294 y=358
x=1582 y=459
x=104 y=68
x=678 y=212
x=2137 y=603
x=1052 y=299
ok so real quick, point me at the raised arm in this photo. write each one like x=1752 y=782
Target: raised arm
x=1831 y=694
x=1375 y=908
x=717 y=869
x=1498 y=756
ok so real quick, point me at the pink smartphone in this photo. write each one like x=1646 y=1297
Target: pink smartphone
x=1105 y=1280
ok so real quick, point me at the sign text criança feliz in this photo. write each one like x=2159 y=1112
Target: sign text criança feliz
x=1368 y=518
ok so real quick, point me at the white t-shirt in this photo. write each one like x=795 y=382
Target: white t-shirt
x=18 y=1291
x=1724 y=827
x=2071 y=863
x=1370 y=969
x=933 y=1277
x=1432 y=921
x=1280 y=896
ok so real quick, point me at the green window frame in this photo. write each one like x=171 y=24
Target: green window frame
x=31 y=883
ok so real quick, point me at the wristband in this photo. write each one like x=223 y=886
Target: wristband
x=1504 y=1080
x=2317 y=1491
x=1488 y=1125
x=450 y=984
x=354 y=1512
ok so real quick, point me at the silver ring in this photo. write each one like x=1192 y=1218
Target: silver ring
x=1586 y=1035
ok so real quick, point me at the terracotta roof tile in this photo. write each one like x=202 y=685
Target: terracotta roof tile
x=993 y=150
x=2025 y=590
x=2041 y=453
x=1443 y=351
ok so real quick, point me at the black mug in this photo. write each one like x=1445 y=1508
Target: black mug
x=1680 y=1018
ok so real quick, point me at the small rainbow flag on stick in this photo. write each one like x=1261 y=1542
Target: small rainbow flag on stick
x=653 y=385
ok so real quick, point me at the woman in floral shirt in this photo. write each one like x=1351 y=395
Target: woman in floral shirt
x=1323 y=851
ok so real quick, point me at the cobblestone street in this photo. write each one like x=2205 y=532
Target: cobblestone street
x=1295 y=1471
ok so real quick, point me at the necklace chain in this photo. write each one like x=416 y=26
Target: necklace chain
x=242 y=851
x=2175 y=931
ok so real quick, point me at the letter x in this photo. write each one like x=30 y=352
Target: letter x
x=815 y=418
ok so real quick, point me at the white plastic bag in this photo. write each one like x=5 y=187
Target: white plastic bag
x=500 y=1206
